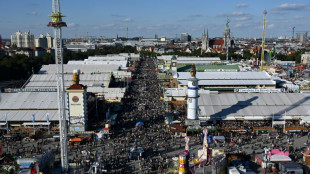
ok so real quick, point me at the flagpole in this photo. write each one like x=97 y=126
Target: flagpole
x=33 y=120
x=272 y=119
x=284 y=121
x=48 y=121
x=6 y=122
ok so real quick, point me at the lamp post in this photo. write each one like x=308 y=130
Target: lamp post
x=265 y=162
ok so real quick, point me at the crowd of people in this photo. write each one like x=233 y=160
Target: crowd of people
x=140 y=141
x=141 y=104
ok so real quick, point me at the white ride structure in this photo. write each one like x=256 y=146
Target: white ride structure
x=57 y=24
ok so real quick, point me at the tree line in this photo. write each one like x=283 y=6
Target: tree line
x=20 y=67
x=246 y=55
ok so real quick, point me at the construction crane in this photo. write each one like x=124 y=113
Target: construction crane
x=127 y=32
x=176 y=36
x=57 y=24
x=263 y=42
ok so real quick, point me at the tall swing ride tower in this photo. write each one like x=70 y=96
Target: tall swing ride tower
x=263 y=42
x=57 y=24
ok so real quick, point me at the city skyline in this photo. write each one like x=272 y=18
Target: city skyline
x=164 y=18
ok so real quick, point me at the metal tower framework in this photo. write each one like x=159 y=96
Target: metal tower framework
x=57 y=23
x=263 y=43
x=227 y=35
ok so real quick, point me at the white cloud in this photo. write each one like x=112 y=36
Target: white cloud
x=34 y=13
x=127 y=20
x=104 y=26
x=185 y=20
x=298 y=17
x=195 y=15
x=241 y=25
x=72 y=25
x=241 y=5
x=41 y=26
x=237 y=16
x=271 y=26
x=116 y=15
x=233 y=14
x=237 y=13
x=140 y=27
x=155 y=27
x=245 y=18
x=293 y=7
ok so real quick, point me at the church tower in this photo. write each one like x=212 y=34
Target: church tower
x=226 y=35
x=204 y=41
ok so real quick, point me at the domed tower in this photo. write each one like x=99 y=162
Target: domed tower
x=192 y=96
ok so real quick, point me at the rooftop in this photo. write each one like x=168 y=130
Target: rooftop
x=226 y=75
x=51 y=68
x=254 y=105
x=201 y=68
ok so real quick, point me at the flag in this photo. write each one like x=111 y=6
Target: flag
x=108 y=114
x=33 y=118
x=47 y=117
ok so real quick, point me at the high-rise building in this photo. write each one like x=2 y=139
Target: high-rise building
x=16 y=39
x=50 y=42
x=41 y=41
x=28 y=40
x=21 y=40
x=302 y=37
x=185 y=37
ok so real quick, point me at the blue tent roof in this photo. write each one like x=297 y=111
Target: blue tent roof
x=139 y=123
x=25 y=165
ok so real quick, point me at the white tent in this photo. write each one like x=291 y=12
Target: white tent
x=279 y=157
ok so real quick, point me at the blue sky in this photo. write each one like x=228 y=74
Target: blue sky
x=146 y=18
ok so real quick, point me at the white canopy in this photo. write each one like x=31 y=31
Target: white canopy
x=279 y=157
x=36 y=123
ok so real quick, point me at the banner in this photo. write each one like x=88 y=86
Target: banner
x=259 y=90
x=278 y=122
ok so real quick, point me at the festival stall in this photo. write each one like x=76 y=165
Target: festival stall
x=75 y=141
x=307 y=156
x=269 y=160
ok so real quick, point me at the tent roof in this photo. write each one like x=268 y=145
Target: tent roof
x=76 y=139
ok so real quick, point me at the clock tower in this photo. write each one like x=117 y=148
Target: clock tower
x=174 y=63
